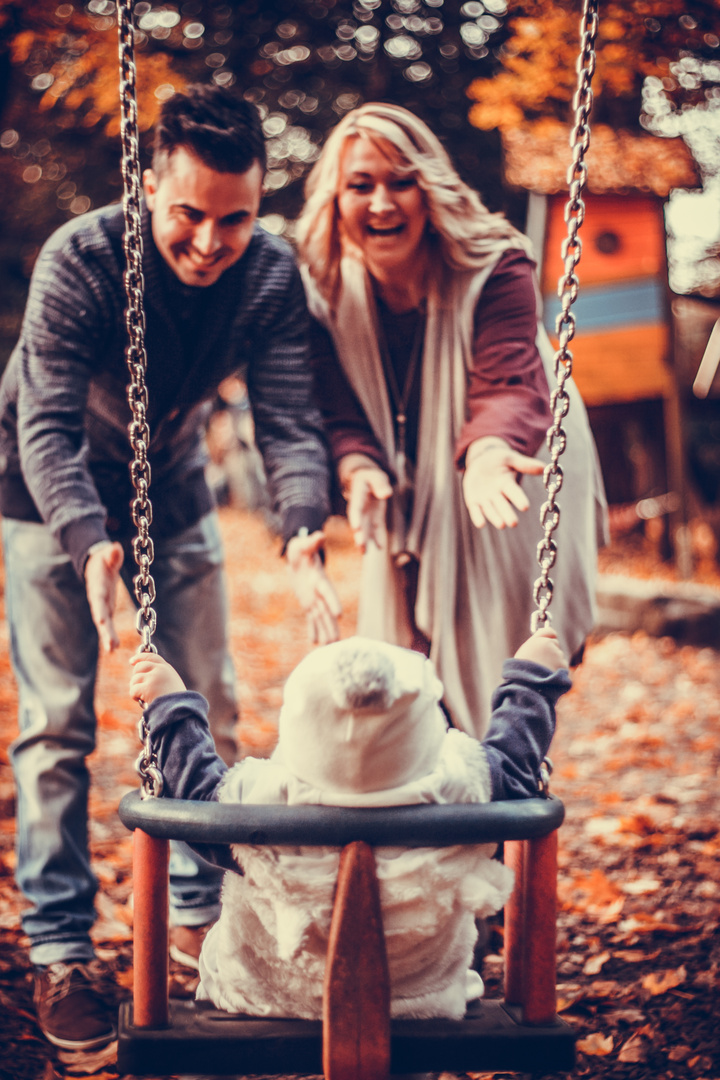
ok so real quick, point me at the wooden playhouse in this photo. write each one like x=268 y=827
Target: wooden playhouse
x=623 y=353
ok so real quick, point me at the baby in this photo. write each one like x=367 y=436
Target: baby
x=360 y=725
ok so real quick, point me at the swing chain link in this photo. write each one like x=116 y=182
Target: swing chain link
x=546 y=768
x=146 y=764
x=151 y=781
x=568 y=287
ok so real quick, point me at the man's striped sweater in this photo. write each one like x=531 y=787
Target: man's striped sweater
x=64 y=449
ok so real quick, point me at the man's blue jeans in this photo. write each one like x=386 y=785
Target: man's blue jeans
x=54 y=651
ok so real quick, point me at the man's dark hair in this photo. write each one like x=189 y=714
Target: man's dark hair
x=215 y=124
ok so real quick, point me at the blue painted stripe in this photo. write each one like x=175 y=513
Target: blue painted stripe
x=606 y=307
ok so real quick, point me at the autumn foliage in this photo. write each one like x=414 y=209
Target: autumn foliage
x=80 y=51
x=636 y=39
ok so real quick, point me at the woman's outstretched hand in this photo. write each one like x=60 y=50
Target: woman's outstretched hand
x=490 y=486
x=313 y=587
x=367 y=492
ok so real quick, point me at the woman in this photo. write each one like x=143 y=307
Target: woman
x=435 y=404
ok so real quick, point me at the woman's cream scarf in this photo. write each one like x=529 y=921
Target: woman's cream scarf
x=475 y=588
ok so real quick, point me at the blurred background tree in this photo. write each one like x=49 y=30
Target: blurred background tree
x=654 y=58
x=306 y=63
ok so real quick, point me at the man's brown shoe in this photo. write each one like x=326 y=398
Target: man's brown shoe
x=71 y=1010
x=186 y=943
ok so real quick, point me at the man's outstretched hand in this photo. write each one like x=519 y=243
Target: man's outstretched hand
x=313 y=587
x=102 y=572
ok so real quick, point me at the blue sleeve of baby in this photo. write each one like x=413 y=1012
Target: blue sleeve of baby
x=522 y=726
x=187 y=758
x=186 y=755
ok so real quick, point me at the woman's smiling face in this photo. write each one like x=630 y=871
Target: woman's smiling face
x=381 y=207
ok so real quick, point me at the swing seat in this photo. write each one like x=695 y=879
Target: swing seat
x=356 y=1040
x=200 y=1038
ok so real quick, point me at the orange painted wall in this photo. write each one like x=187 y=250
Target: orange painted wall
x=638 y=222
x=621 y=365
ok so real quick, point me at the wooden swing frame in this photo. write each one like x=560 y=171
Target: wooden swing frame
x=356 y=1040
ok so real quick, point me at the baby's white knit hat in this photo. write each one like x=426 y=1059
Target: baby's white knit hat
x=361 y=716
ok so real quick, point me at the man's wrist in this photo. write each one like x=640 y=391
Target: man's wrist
x=98 y=546
x=302 y=533
x=298 y=517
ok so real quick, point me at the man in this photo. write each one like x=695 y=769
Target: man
x=221 y=296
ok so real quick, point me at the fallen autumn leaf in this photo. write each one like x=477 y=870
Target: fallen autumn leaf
x=659 y=982
x=596 y=1045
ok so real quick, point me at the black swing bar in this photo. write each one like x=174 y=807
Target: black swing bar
x=428 y=825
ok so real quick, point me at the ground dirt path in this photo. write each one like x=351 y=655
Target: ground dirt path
x=637 y=758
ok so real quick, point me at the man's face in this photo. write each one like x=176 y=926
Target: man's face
x=202 y=220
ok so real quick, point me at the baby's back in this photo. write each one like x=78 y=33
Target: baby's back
x=266 y=954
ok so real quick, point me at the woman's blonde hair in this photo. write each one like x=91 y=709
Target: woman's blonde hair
x=463 y=229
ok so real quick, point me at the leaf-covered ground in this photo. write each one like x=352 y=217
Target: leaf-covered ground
x=637 y=759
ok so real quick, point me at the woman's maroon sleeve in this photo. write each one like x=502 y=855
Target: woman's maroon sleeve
x=346 y=426
x=507 y=394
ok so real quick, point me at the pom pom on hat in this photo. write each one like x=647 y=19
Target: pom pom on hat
x=362 y=679
x=361 y=716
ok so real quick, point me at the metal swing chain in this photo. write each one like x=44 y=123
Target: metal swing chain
x=568 y=287
x=151 y=781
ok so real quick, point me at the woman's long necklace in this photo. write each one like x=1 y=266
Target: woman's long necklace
x=399 y=400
